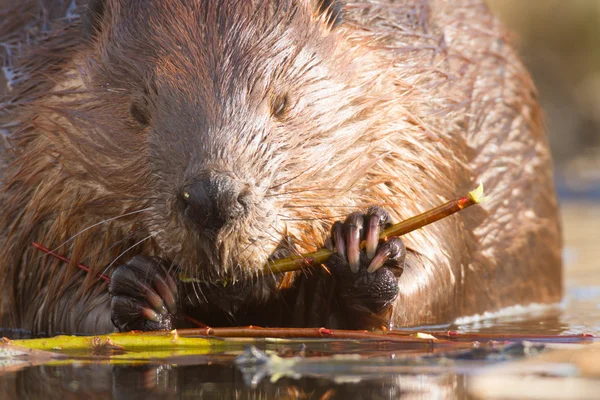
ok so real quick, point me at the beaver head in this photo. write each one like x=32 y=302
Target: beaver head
x=243 y=113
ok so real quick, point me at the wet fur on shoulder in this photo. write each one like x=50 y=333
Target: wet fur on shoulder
x=421 y=99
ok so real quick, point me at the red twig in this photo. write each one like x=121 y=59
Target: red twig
x=302 y=333
x=101 y=276
x=195 y=322
x=511 y=337
x=307 y=333
x=66 y=260
x=439 y=338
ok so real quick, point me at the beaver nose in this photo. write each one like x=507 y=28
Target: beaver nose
x=211 y=202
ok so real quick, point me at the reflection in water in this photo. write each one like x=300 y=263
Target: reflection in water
x=547 y=320
x=391 y=375
x=209 y=382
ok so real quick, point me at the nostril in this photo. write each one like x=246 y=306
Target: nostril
x=244 y=200
x=185 y=198
x=197 y=195
x=211 y=202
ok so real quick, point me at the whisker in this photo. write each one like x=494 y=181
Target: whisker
x=171 y=267
x=275 y=290
x=271 y=275
x=112 y=246
x=250 y=243
x=129 y=248
x=296 y=252
x=336 y=217
x=198 y=292
x=293 y=192
x=296 y=240
x=102 y=202
x=357 y=206
x=291 y=179
x=313 y=215
x=285 y=238
x=100 y=223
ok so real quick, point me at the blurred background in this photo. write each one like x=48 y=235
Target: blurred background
x=559 y=41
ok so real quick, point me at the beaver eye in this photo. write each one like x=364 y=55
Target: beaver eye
x=139 y=114
x=279 y=106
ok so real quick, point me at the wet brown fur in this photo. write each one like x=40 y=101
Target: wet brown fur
x=405 y=104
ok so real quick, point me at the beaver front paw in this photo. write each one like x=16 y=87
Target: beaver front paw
x=143 y=295
x=366 y=279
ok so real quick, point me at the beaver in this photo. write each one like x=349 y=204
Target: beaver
x=180 y=145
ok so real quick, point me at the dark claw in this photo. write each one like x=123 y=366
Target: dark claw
x=359 y=227
x=338 y=237
x=394 y=249
x=354 y=225
x=154 y=300
x=126 y=309
x=166 y=287
x=143 y=295
x=361 y=281
x=378 y=219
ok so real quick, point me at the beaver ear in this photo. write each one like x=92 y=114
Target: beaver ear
x=329 y=10
x=92 y=17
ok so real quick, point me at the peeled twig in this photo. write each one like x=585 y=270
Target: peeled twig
x=115 y=341
x=211 y=338
x=320 y=256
